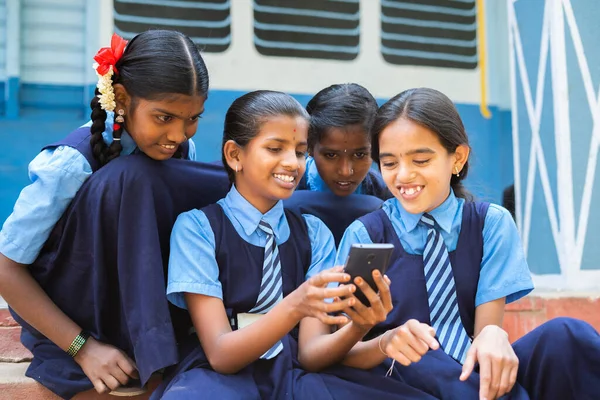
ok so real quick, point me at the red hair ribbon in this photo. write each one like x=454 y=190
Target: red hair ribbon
x=107 y=57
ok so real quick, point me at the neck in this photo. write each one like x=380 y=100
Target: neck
x=261 y=203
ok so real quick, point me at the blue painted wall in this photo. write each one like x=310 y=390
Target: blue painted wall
x=50 y=112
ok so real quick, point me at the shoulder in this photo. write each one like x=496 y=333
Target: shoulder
x=193 y=224
x=356 y=227
x=497 y=215
x=313 y=224
x=63 y=159
x=194 y=219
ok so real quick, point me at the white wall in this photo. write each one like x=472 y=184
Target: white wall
x=241 y=67
x=3 y=34
x=53 y=41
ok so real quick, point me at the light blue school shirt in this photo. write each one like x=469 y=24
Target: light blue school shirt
x=193 y=267
x=314 y=181
x=504 y=271
x=56 y=176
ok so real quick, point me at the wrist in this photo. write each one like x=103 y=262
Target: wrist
x=494 y=328
x=358 y=329
x=290 y=305
x=77 y=343
x=382 y=343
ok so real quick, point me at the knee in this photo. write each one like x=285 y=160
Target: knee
x=563 y=325
x=566 y=331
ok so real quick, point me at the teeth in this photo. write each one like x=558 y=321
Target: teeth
x=343 y=183
x=285 y=178
x=168 y=146
x=410 y=191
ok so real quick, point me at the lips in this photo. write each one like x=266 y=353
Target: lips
x=168 y=149
x=285 y=178
x=345 y=185
x=410 y=192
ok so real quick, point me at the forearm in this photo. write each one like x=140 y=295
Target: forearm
x=365 y=355
x=329 y=349
x=26 y=298
x=234 y=350
x=491 y=313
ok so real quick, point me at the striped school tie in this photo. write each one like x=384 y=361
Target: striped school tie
x=271 y=291
x=441 y=292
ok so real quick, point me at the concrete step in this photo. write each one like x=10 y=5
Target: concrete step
x=520 y=317
x=14 y=385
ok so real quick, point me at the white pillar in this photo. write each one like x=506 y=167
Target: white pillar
x=13 y=57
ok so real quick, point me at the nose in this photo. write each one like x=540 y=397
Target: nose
x=177 y=135
x=345 y=167
x=404 y=174
x=290 y=161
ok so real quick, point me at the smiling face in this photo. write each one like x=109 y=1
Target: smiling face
x=343 y=158
x=158 y=127
x=271 y=164
x=416 y=167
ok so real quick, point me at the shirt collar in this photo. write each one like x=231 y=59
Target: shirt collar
x=443 y=214
x=127 y=143
x=313 y=179
x=249 y=217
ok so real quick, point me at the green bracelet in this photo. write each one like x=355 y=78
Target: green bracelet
x=78 y=343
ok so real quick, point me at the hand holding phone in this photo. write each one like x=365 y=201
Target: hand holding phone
x=363 y=259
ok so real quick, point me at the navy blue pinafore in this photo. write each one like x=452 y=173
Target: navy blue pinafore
x=104 y=264
x=79 y=139
x=554 y=360
x=240 y=273
x=337 y=212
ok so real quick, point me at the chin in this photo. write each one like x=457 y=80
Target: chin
x=412 y=208
x=280 y=193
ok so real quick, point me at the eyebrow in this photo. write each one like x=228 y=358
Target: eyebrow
x=425 y=150
x=285 y=141
x=328 y=150
x=160 y=110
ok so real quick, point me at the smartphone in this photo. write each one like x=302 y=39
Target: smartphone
x=363 y=259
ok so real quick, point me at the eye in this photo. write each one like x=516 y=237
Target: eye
x=330 y=156
x=388 y=164
x=164 y=118
x=301 y=154
x=274 y=149
x=196 y=118
x=360 y=155
x=421 y=162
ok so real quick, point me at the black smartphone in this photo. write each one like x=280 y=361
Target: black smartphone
x=363 y=259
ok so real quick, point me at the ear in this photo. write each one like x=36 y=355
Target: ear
x=122 y=98
x=233 y=155
x=461 y=156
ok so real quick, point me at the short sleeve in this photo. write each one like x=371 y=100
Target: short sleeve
x=193 y=267
x=355 y=233
x=322 y=245
x=504 y=271
x=56 y=176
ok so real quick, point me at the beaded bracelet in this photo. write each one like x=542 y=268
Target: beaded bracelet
x=78 y=343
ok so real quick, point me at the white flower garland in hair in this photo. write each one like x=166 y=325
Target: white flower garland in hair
x=105 y=87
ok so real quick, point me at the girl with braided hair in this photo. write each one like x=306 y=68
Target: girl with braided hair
x=149 y=97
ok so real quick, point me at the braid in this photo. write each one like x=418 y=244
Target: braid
x=101 y=151
x=114 y=150
x=98 y=117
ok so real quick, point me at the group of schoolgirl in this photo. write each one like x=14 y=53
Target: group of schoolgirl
x=257 y=303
